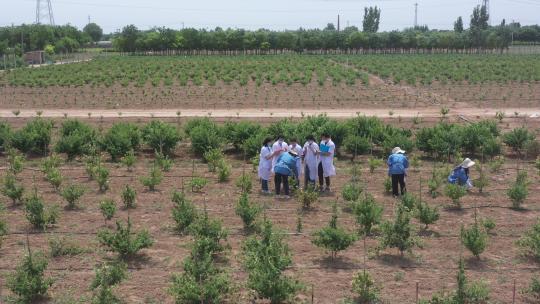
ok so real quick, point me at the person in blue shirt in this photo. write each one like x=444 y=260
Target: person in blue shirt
x=397 y=169
x=460 y=174
x=285 y=167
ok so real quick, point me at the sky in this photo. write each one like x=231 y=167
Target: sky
x=112 y=15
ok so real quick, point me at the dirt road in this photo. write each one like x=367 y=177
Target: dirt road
x=268 y=113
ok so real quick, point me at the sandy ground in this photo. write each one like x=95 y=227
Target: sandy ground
x=267 y=113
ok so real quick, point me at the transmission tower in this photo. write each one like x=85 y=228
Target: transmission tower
x=44 y=12
x=486 y=4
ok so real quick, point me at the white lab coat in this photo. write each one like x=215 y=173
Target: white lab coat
x=311 y=159
x=298 y=149
x=328 y=161
x=265 y=165
x=277 y=147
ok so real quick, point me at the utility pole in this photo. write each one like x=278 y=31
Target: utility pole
x=338 y=23
x=415 y=15
x=88 y=19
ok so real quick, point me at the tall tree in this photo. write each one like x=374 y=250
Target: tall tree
x=458 y=25
x=94 y=31
x=479 y=18
x=372 y=16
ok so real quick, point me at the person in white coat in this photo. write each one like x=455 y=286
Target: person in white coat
x=311 y=161
x=265 y=164
x=326 y=163
x=278 y=148
x=294 y=146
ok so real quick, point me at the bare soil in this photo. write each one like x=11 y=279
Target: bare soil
x=433 y=267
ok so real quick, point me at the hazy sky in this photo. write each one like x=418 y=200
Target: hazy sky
x=253 y=14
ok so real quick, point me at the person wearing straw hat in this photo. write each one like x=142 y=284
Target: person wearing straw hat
x=460 y=174
x=285 y=167
x=397 y=169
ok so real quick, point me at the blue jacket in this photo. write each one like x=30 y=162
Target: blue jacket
x=397 y=164
x=286 y=165
x=459 y=175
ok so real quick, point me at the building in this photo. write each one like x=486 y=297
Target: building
x=35 y=57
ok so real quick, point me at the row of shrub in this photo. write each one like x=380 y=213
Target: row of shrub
x=359 y=135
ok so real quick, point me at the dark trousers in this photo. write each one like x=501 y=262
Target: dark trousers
x=307 y=180
x=264 y=184
x=322 y=179
x=280 y=178
x=398 y=180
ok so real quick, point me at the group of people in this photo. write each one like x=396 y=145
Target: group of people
x=314 y=160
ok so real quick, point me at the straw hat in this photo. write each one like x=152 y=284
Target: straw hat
x=397 y=150
x=467 y=163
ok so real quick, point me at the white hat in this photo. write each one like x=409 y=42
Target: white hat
x=467 y=163
x=397 y=150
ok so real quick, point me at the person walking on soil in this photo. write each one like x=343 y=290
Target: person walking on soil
x=285 y=167
x=460 y=174
x=294 y=146
x=311 y=161
x=397 y=169
x=278 y=148
x=326 y=164
x=265 y=164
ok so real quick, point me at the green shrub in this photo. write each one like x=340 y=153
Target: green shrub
x=213 y=157
x=108 y=209
x=374 y=163
x=356 y=145
x=205 y=138
x=368 y=213
x=488 y=224
x=409 y=201
x=15 y=162
x=455 y=192
x=201 y=281
x=3 y=227
x=184 y=213
x=129 y=160
x=198 y=183
x=53 y=161
x=224 y=171
x=518 y=138
x=530 y=241
x=211 y=229
x=351 y=192
x=12 y=189
x=123 y=241
x=163 y=162
x=120 y=139
x=72 y=193
x=129 y=195
x=537 y=165
x=307 y=197
x=247 y=211
x=34 y=137
x=534 y=288
x=108 y=275
x=153 y=179
x=28 y=283
x=161 y=136
x=36 y=214
x=332 y=237
x=54 y=177
x=426 y=214
x=364 y=288
x=266 y=257
x=5 y=135
x=244 y=183
x=102 y=177
x=482 y=181
x=237 y=133
x=387 y=184
x=474 y=238
x=399 y=233
x=532 y=149
x=252 y=145
x=76 y=139
x=60 y=246
x=519 y=190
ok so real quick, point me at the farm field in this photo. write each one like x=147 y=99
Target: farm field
x=433 y=266
x=289 y=81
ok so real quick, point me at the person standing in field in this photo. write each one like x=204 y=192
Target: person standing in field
x=460 y=174
x=311 y=161
x=397 y=169
x=326 y=164
x=294 y=146
x=265 y=164
x=278 y=148
x=285 y=167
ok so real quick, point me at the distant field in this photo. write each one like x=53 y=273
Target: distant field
x=299 y=81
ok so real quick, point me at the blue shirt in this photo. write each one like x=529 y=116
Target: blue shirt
x=459 y=175
x=286 y=165
x=397 y=164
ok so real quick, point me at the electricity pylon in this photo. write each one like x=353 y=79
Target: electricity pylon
x=44 y=12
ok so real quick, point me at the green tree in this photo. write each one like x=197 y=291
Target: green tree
x=372 y=17
x=399 y=233
x=123 y=241
x=28 y=283
x=458 y=25
x=94 y=31
x=160 y=136
x=479 y=18
x=332 y=237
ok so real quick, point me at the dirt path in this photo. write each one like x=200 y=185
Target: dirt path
x=269 y=113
